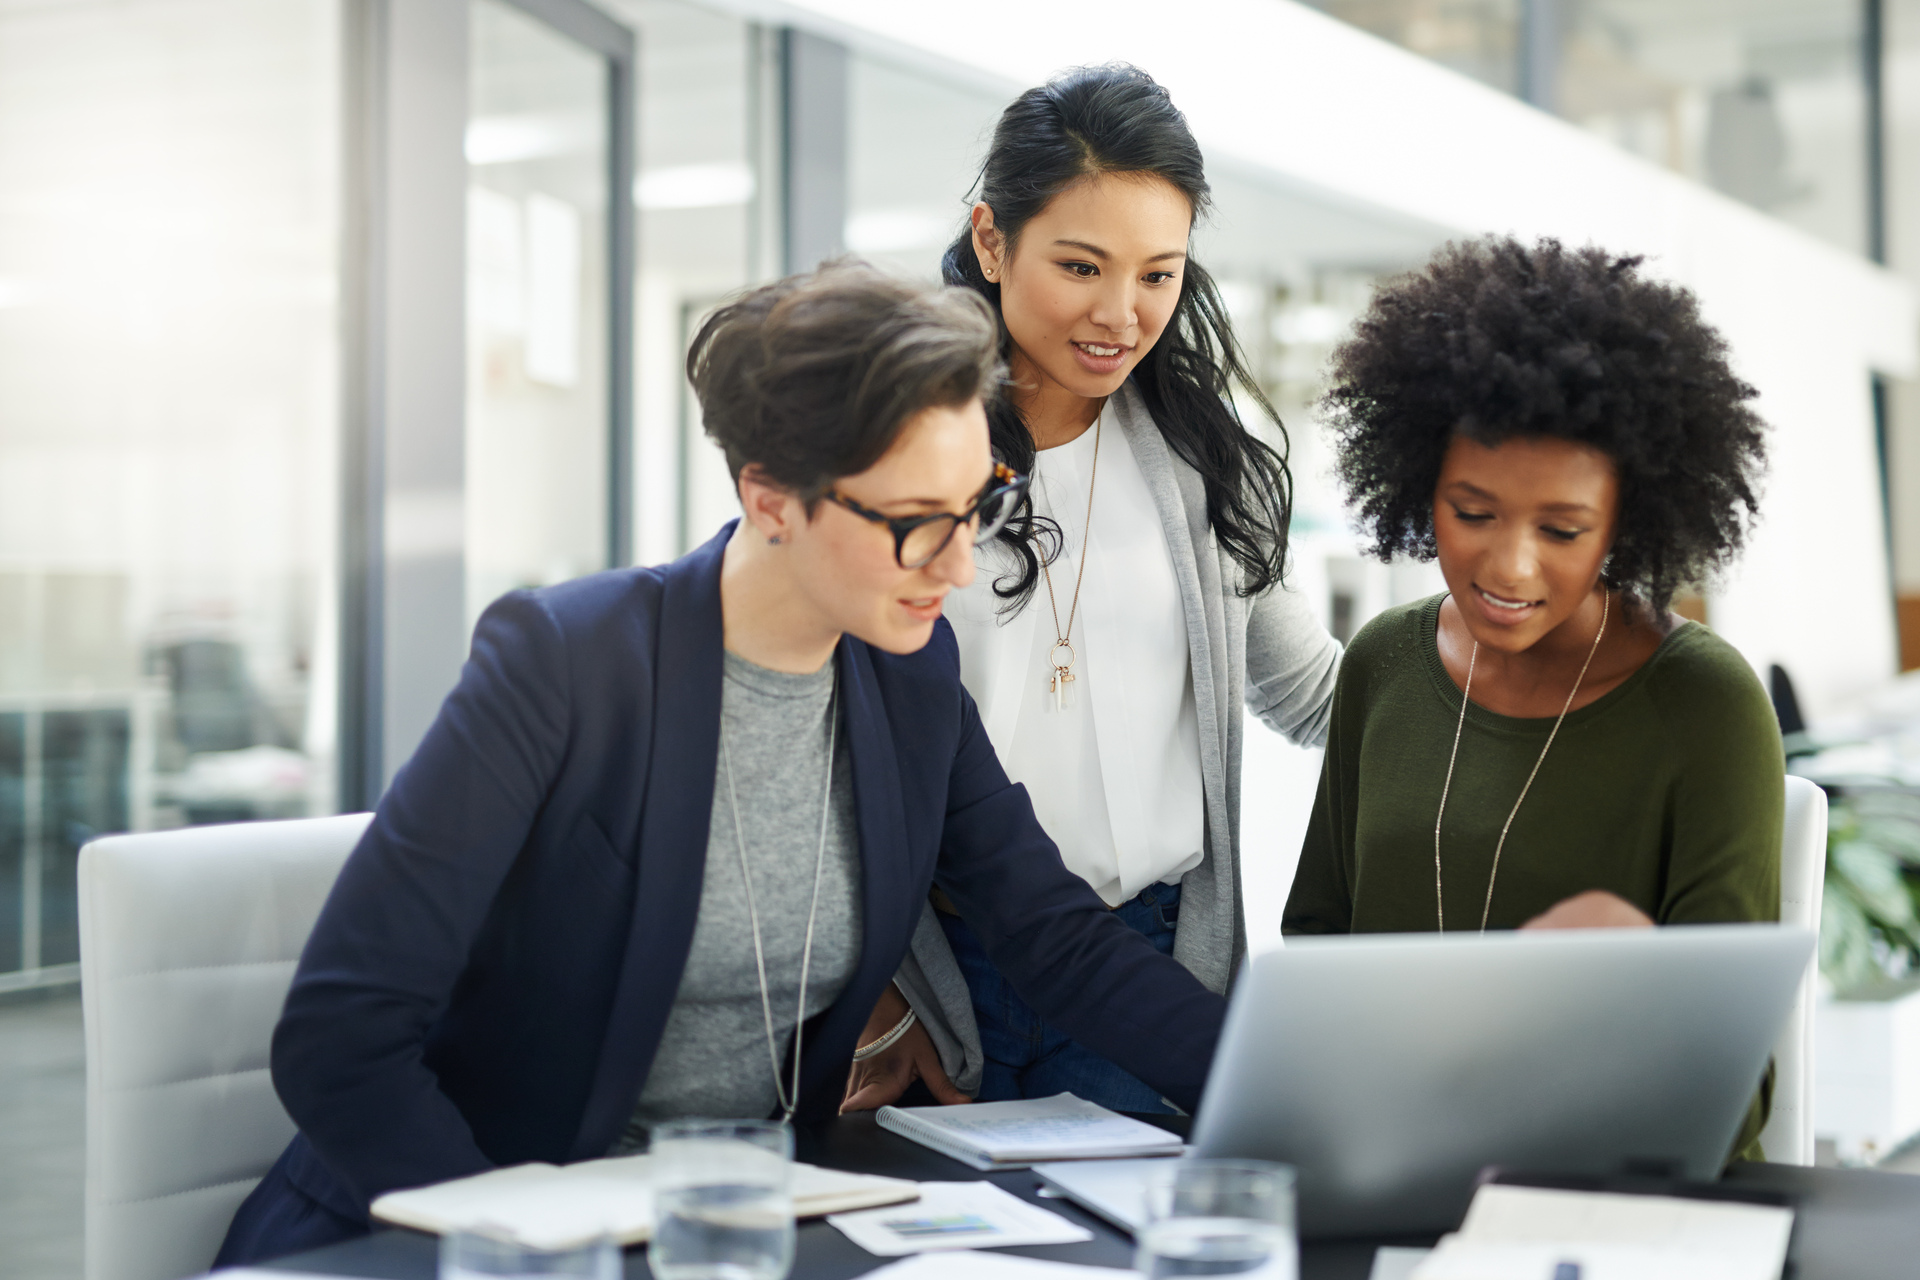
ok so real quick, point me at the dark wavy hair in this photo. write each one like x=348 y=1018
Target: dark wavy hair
x=1116 y=119
x=1494 y=339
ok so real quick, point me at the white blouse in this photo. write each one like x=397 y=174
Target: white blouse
x=1114 y=778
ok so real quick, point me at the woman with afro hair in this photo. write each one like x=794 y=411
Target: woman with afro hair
x=1546 y=744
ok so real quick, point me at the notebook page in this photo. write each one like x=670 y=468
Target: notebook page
x=558 y=1207
x=1515 y=1231
x=539 y=1204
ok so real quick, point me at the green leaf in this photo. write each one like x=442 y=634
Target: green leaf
x=1846 y=942
x=1874 y=876
x=1870 y=926
x=1888 y=818
x=1898 y=837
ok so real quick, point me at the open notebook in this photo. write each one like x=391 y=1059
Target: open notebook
x=1014 y=1135
x=561 y=1206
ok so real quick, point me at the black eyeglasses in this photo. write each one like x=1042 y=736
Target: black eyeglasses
x=918 y=539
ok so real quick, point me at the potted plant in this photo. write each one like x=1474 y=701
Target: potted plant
x=1867 y=1078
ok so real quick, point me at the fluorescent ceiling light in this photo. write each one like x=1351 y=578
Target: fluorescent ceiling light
x=1312 y=325
x=694 y=186
x=897 y=230
x=508 y=139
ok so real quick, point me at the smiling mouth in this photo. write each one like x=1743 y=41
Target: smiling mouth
x=1097 y=349
x=1503 y=603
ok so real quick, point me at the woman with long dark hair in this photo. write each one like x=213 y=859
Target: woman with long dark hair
x=1134 y=604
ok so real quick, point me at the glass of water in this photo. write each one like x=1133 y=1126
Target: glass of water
x=476 y=1255
x=1219 y=1218
x=722 y=1207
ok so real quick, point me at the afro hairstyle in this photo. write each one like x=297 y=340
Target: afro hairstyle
x=1494 y=340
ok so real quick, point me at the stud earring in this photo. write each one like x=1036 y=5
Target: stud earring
x=774 y=541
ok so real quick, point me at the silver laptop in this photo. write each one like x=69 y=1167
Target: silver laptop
x=1390 y=1068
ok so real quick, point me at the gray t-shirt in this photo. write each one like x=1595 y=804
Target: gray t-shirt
x=712 y=1059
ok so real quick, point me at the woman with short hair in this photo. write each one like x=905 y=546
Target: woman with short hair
x=670 y=835
x=1547 y=743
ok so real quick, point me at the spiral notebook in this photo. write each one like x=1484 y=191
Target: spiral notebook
x=1017 y=1134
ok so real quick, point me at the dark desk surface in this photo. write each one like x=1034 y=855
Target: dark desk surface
x=1853 y=1223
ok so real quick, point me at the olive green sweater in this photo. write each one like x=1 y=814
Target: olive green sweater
x=1668 y=791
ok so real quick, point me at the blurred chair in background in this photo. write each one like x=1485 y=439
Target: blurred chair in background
x=228 y=756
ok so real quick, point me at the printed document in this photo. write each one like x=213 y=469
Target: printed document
x=1528 y=1233
x=956 y=1215
x=990 y=1266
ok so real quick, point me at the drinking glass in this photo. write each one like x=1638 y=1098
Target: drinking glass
x=475 y=1255
x=1219 y=1218
x=722 y=1205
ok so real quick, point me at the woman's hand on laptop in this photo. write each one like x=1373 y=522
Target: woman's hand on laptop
x=1594 y=909
x=881 y=1079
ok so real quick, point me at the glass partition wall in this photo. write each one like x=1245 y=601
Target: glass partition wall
x=537 y=442
x=171 y=267
x=705 y=195
x=168 y=425
x=1765 y=100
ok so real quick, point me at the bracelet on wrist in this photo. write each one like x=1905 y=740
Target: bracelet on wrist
x=888 y=1040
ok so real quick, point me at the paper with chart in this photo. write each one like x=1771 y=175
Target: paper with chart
x=955 y=1215
x=989 y=1266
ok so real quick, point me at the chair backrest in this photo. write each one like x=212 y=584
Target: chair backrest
x=188 y=941
x=1788 y=1137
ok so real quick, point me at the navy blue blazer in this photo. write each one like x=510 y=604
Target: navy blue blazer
x=488 y=981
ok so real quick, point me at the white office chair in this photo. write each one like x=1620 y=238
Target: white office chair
x=188 y=941
x=1788 y=1137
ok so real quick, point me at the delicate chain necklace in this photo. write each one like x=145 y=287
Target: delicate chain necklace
x=1063 y=677
x=1439 y=903
x=788 y=1100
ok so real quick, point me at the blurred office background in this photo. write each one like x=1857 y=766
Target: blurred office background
x=324 y=322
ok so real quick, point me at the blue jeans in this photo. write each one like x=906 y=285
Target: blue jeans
x=1025 y=1058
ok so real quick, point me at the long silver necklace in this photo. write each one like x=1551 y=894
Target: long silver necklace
x=788 y=1099
x=1061 y=686
x=1439 y=902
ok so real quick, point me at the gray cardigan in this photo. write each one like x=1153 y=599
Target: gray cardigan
x=1269 y=652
